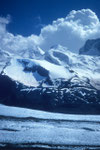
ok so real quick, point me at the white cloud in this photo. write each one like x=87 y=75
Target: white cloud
x=3 y=23
x=17 y=44
x=71 y=32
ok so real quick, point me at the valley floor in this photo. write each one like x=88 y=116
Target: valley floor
x=24 y=129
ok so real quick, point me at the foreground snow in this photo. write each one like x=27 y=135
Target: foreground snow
x=23 y=113
x=25 y=127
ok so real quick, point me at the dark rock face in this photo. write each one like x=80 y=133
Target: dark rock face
x=91 y=47
x=68 y=97
x=6 y=86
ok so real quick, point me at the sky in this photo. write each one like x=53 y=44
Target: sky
x=34 y=26
x=29 y=16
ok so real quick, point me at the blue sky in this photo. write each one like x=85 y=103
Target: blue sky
x=29 y=16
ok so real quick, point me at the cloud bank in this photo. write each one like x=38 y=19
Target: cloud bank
x=71 y=32
x=15 y=44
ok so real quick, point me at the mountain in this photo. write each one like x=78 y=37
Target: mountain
x=91 y=47
x=58 y=80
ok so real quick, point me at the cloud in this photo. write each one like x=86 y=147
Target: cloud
x=3 y=23
x=71 y=32
x=18 y=44
x=38 y=22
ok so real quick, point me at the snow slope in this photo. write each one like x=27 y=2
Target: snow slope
x=30 y=78
x=30 y=128
x=24 y=113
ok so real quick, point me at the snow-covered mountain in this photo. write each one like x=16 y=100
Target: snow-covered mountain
x=55 y=80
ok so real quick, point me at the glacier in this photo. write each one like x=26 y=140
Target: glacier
x=22 y=128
